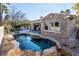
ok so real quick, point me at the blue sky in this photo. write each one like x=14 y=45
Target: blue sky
x=35 y=10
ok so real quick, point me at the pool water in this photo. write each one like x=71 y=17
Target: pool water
x=27 y=42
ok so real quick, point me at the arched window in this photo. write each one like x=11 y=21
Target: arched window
x=56 y=24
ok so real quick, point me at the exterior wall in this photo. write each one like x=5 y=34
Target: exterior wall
x=66 y=27
x=61 y=36
x=72 y=30
x=1 y=33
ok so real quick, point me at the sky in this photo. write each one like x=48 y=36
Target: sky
x=35 y=10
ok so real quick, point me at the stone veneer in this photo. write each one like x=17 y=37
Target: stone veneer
x=66 y=34
x=61 y=36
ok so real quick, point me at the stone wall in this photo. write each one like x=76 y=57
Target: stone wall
x=66 y=27
x=61 y=36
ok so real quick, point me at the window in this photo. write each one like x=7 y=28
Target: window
x=52 y=24
x=46 y=27
x=57 y=24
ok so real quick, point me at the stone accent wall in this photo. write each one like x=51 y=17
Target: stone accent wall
x=64 y=30
x=61 y=36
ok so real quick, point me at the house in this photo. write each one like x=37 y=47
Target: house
x=59 y=26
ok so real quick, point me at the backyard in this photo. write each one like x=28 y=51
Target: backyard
x=55 y=34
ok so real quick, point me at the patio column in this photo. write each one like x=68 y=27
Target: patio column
x=32 y=26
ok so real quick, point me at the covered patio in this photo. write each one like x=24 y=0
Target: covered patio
x=36 y=25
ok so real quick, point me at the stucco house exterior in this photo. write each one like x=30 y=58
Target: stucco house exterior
x=58 y=26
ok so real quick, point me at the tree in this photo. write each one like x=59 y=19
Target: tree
x=67 y=11
x=62 y=11
x=6 y=17
x=3 y=8
x=16 y=14
x=76 y=7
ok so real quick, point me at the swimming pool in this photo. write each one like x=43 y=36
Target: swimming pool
x=34 y=43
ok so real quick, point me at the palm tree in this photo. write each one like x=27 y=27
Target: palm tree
x=3 y=8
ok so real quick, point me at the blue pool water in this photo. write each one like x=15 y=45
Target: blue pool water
x=27 y=42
